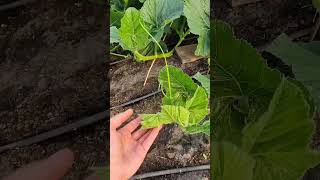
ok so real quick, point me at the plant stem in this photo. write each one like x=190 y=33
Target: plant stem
x=183 y=25
x=141 y=57
x=315 y=30
x=145 y=81
x=182 y=38
x=126 y=2
x=115 y=48
x=119 y=55
x=165 y=59
x=164 y=38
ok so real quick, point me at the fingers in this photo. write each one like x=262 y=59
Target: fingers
x=116 y=121
x=53 y=168
x=131 y=126
x=147 y=140
x=139 y=133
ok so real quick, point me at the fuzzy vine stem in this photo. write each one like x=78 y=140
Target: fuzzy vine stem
x=165 y=59
x=119 y=55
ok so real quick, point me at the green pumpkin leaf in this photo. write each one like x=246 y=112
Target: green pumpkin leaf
x=198 y=17
x=204 y=81
x=158 y=13
x=198 y=106
x=271 y=115
x=115 y=18
x=152 y=121
x=117 y=5
x=230 y=162
x=316 y=4
x=199 y=128
x=180 y=82
x=176 y=114
x=304 y=60
x=187 y=106
x=169 y=114
x=313 y=47
x=133 y=36
x=114 y=35
x=279 y=139
x=240 y=72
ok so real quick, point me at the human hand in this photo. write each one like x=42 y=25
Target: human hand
x=53 y=168
x=128 y=147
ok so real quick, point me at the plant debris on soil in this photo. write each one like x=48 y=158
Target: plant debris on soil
x=52 y=73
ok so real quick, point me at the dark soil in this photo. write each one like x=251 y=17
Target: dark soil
x=51 y=74
x=262 y=22
x=173 y=148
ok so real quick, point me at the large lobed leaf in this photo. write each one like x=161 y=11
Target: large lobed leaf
x=158 y=13
x=198 y=17
x=271 y=143
x=188 y=105
x=243 y=85
x=305 y=61
x=133 y=36
x=279 y=140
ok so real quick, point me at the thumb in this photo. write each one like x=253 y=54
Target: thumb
x=53 y=168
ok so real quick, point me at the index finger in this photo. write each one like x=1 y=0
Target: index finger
x=117 y=120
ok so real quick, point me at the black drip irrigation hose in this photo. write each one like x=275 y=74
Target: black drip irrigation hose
x=136 y=100
x=15 y=4
x=56 y=132
x=171 y=171
x=70 y=127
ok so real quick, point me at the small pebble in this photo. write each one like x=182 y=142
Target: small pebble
x=171 y=155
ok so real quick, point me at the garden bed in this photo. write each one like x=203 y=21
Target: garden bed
x=173 y=148
x=52 y=73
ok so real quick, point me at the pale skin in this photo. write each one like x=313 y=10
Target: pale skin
x=129 y=145
x=53 y=168
x=127 y=152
